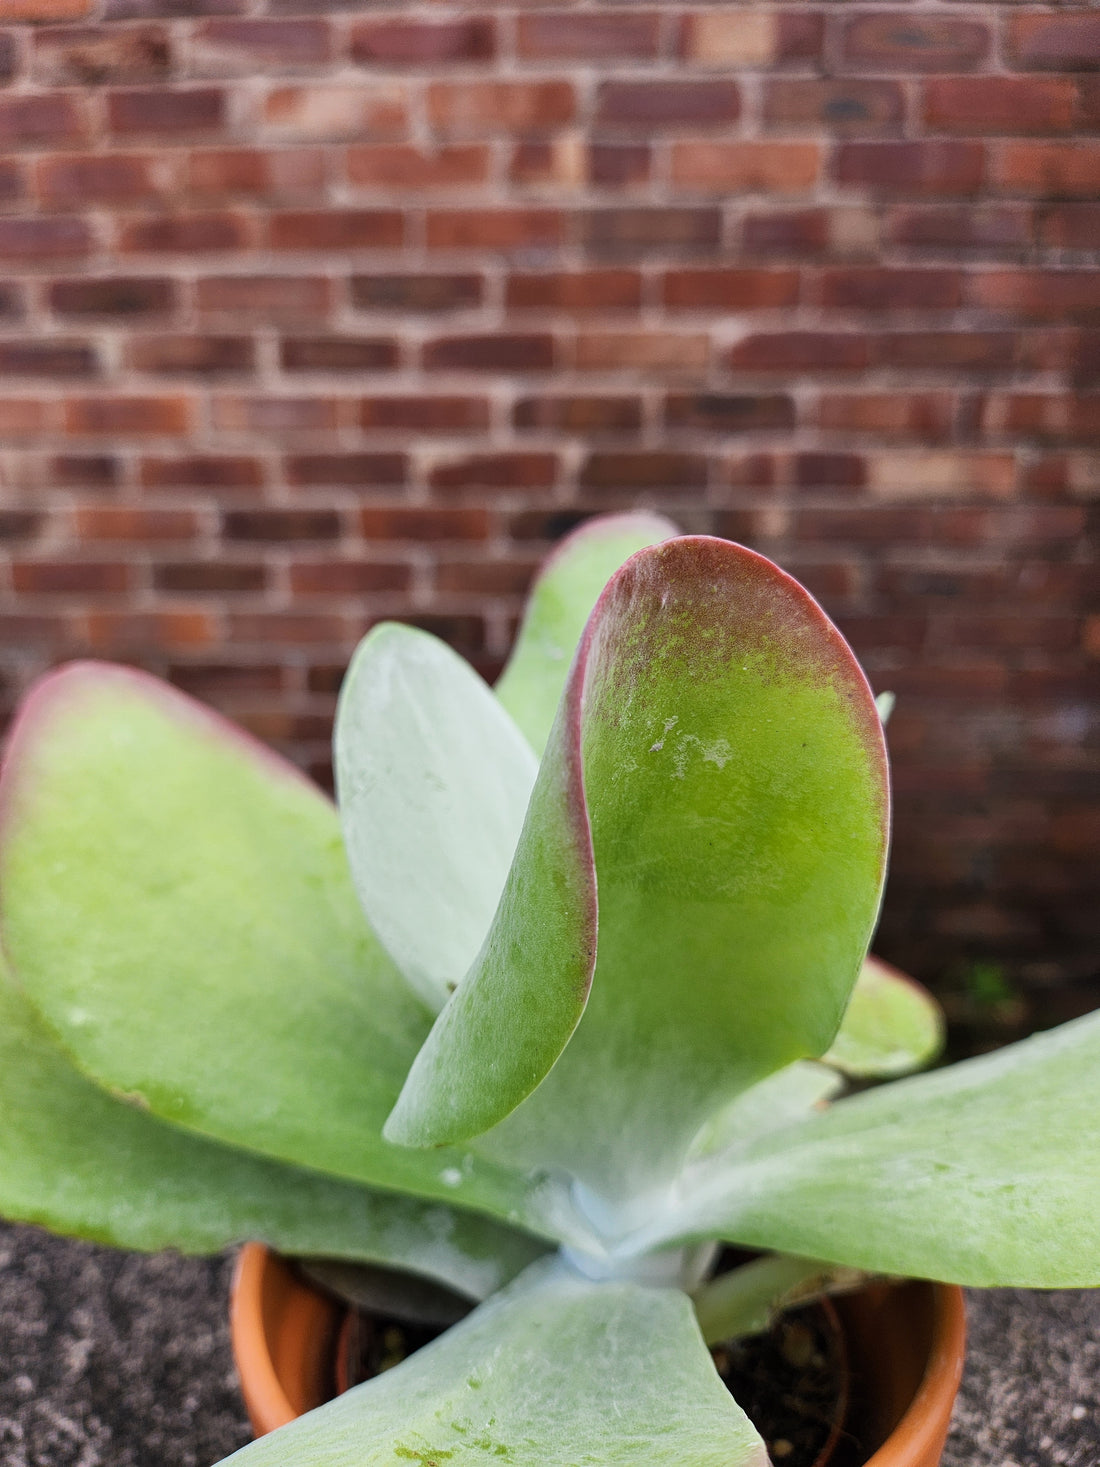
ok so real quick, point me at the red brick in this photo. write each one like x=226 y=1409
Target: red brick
x=70 y=577
x=10 y=58
x=281 y=525
x=336 y=110
x=105 y=178
x=904 y=40
x=570 y=35
x=800 y=351
x=575 y=292
x=941 y=474
x=312 y=470
x=22 y=417
x=82 y=471
x=92 y=55
x=124 y=522
x=162 y=111
x=336 y=229
x=412 y=44
x=641 y=469
x=265 y=299
x=13 y=181
x=123 y=295
x=128 y=416
x=204 y=356
x=425 y=526
x=32 y=241
x=144 y=634
x=999 y=104
x=446 y=415
x=265 y=414
x=954 y=227
x=632 y=231
x=346 y=577
x=485 y=577
x=1070 y=226
x=504 y=230
x=401 y=166
x=961 y=351
x=1045 y=416
x=1053 y=295
x=221 y=577
x=732 y=39
x=828 y=471
x=337 y=353
x=717 y=412
x=153 y=9
x=41 y=11
x=1052 y=42
x=847 y=106
x=416 y=294
x=487 y=471
x=618 y=165
x=629 y=351
x=586 y=416
x=883 y=288
x=748 y=167
x=662 y=104
x=47 y=358
x=241 y=47
x=42 y=120
x=490 y=352
x=185 y=234
x=729 y=289
x=919 y=168
x=1047 y=170
x=922 y=415
x=271 y=175
x=560 y=164
x=479 y=107
x=787 y=232
x=201 y=471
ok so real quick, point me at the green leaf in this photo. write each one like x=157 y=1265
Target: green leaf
x=783 y=1099
x=433 y=779
x=554 y=1372
x=735 y=780
x=892 y=1026
x=984 y=1173
x=76 y=1160
x=561 y=599
x=177 y=905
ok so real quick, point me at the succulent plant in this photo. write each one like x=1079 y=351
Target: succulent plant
x=563 y=997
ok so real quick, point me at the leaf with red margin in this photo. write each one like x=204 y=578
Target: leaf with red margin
x=564 y=593
x=726 y=748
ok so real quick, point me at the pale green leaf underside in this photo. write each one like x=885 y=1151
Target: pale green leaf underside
x=561 y=599
x=783 y=1099
x=177 y=905
x=77 y=1161
x=891 y=1026
x=555 y=1372
x=984 y=1173
x=432 y=779
x=734 y=775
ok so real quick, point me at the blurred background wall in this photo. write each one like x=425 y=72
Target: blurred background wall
x=316 y=314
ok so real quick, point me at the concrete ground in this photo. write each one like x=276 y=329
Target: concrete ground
x=115 y=1360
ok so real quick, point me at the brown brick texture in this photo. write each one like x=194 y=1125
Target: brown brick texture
x=315 y=313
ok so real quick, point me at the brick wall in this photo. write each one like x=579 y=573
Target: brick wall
x=313 y=315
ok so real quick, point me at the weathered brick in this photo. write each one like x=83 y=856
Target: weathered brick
x=659 y=104
x=904 y=40
x=345 y=470
x=571 y=35
x=999 y=104
x=233 y=47
x=204 y=356
x=800 y=351
x=185 y=234
x=415 y=293
x=25 y=417
x=336 y=229
x=13 y=181
x=402 y=166
x=1054 y=295
x=423 y=526
x=423 y=414
x=1073 y=226
x=42 y=11
x=1047 y=170
x=82 y=471
x=101 y=522
x=12 y=302
x=641 y=469
x=423 y=43
x=579 y=292
x=1061 y=417
x=491 y=352
x=848 y=106
x=723 y=412
x=281 y=525
x=35 y=240
x=42 y=120
x=632 y=231
x=335 y=111
x=960 y=351
x=169 y=9
x=222 y=577
x=9 y=57
x=941 y=474
x=885 y=288
x=846 y=230
x=166 y=112
x=918 y=168
x=270 y=175
x=270 y=414
x=72 y=179
x=954 y=227
x=201 y=471
x=331 y=577
x=613 y=351
x=575 y=414
x=500 y=230
x=337 y=353
x=70 y=577
x=94 y=55
x=730 y=38
x=922 y=415
x=729 y=289
x=489 y=471
x=745 y=167
x=485 y=577
x=265 y=299
x=828 y=471
x=1055 y=42
x=50 y=358
x=146 y=634
x=135 y=416
x=618 y=165
x=475 y=108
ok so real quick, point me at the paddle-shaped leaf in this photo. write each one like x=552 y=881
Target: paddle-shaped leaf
x=76 y=1160
x=984 y=1173
x=561 y=599
x=432 y=780
x=732 y=767
x=554 y=1372
x=177 y=905
x=891 y=1026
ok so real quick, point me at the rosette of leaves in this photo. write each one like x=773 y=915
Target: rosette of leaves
x=561 y=999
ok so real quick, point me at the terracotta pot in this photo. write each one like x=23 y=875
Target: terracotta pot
x=905 y=1342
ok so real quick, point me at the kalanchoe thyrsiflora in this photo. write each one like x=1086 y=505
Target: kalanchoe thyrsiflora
x=568 y=1001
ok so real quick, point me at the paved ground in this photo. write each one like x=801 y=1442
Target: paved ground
x=113 y=1360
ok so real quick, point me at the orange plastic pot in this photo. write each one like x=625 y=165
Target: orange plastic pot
x=905 y=1345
